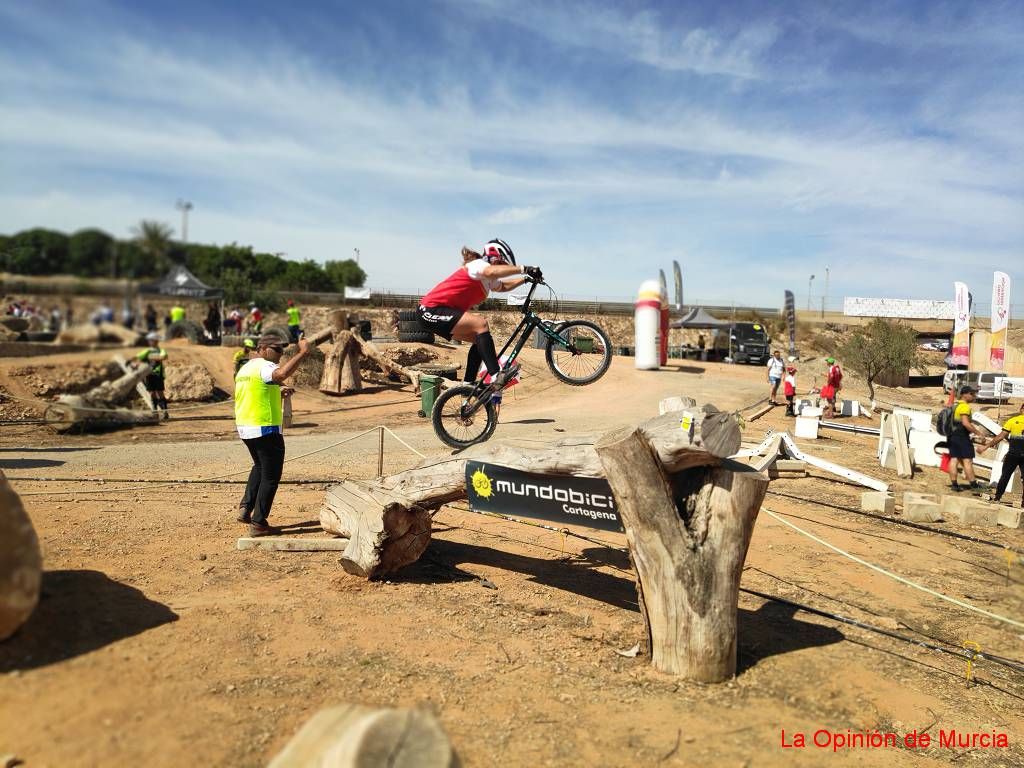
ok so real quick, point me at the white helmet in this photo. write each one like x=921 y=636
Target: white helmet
x=497 y=252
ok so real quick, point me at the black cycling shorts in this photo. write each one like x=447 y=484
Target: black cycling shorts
x=154 y=383
x=439 y=320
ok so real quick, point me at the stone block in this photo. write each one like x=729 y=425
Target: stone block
x=806 y=428
x=790 y=465
x=1010 y=518
x=878 y=501
x=968 y=510
x=921 y=507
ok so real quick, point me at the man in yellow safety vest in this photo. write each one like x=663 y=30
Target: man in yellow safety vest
x=258 y=418
x=177 y=313
x=294 y=318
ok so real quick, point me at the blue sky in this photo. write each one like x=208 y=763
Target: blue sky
x=756 y=143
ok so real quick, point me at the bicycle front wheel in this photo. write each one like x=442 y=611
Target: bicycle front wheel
x=451 y=423
x=585 y=355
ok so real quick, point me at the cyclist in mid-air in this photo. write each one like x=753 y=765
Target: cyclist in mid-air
x=445 y=309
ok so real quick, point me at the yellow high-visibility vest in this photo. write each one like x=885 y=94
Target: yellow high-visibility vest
x=177 y=313
x=293 y=316
x=257 y=404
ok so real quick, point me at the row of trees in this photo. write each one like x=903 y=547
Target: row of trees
x=243 y=274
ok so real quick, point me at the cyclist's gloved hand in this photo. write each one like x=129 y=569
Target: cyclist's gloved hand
x=533 y=273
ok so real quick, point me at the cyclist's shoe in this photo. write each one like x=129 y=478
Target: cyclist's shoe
x=502 y=378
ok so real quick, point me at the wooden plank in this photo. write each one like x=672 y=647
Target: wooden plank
x=898 y=430
x=771 y=454
x=790 y=449
x=759 y=412
x=881 y=433
x=292 y=544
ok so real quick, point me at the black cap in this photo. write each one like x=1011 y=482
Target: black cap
x=968 y=390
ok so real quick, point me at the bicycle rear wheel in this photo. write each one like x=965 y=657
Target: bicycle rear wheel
x=585 y=358
x=456 y=429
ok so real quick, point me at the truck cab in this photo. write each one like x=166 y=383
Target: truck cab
x=749 y=343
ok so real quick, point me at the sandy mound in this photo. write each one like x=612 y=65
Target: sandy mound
x=188 y=382
x=49 y=380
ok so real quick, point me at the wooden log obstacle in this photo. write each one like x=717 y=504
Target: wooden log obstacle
x=687 y=510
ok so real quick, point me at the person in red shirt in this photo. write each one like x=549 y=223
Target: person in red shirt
x=444 y=310
x=833 y=383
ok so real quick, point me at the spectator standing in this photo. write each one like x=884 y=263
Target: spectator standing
x=259 y=419
x=775 y=370
x=177 y=313
x=233 y=322
x=1013 y=433
x=55 y=319
x=789 y=389
x=255 y=325
x=294 y=320
x=155 y=357
x=150 y=317
x=961 y=449
x=212 y=322
x=833 y=383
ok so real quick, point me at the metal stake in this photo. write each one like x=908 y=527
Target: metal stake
x=380 y=454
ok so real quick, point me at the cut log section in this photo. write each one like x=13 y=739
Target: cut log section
x=387 y=520
x=688 y=535
x=21 y=564
x=353 y=736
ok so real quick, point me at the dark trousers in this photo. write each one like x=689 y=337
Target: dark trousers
x=1011 y=463
x=267 y=464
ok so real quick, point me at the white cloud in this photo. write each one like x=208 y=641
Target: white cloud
x=517 y=215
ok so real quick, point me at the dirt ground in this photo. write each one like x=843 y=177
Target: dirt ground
x=158 y=643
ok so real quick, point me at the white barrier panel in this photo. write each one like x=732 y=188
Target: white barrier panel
x=917 y=309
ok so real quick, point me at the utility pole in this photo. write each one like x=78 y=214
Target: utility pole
x=356 y=252
x=809 y=293
x=184 y=206
x=824 y=297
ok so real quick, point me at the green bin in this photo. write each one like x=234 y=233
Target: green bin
x=430 y=388
x=584 y=345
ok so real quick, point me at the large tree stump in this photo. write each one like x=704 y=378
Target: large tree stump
x=688 y=535
x=341 y=366
x=21 y=564
x=387 y=520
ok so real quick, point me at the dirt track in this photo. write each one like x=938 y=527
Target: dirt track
x=157 y=643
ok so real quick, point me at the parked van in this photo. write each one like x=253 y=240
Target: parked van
x=987 y=383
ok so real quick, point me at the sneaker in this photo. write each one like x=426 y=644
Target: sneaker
x=243 y=516
x=957 y=488
x=262 y=529
x=501 y=379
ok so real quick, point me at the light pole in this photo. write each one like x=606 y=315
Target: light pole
x=184 y=206
x=824 y=296
x=356 y=252
x=809 y=293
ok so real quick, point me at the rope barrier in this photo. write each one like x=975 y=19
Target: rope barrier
x=1012 y=664
x=172 y=483
x=891 y=575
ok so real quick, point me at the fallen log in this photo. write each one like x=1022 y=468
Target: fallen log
x=688 y=535
x=387 y=521
x=100 y=403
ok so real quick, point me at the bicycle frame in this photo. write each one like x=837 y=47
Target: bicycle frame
x=530 y=321
x=522 y=332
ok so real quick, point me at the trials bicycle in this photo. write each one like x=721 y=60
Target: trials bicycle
x=578 y=352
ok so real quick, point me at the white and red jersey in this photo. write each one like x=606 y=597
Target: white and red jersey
x=462 y=289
